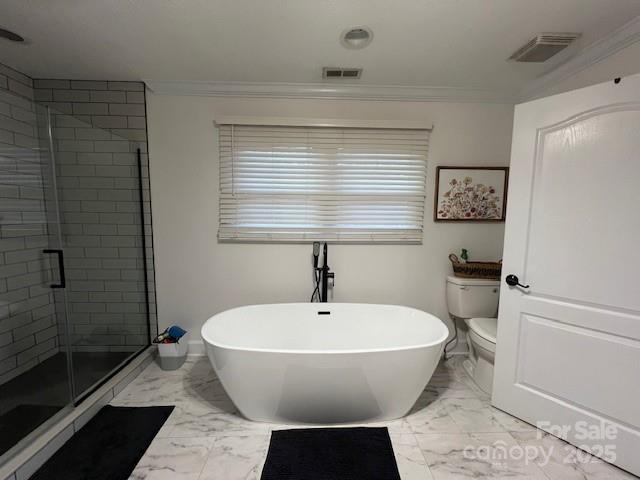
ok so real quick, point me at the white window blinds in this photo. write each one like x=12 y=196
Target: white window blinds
x=281 y=183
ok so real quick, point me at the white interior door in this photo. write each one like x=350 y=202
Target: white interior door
x=568 y=347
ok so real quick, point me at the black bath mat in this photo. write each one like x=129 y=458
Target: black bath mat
x=108 y=447
x=331 y=454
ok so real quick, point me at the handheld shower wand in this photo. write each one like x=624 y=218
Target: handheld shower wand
x=316 y=253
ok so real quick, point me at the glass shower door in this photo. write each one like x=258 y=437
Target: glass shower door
x=98 y=180
x=35 y=368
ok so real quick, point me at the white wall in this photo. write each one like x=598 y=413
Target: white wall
x=197 y=276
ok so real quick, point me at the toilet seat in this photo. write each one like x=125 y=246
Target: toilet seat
x=483 y=332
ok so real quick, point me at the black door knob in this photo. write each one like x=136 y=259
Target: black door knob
x=514 y=281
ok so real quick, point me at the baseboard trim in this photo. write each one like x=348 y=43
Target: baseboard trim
x=455 y=353
x=196 y=348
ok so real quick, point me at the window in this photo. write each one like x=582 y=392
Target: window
x=300 y=183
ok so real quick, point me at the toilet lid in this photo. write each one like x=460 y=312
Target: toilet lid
x=486 y=328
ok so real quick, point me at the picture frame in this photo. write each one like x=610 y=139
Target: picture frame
x=470 y=194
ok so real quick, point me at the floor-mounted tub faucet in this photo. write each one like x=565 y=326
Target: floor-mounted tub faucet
x=322 y=274
x=325 y=275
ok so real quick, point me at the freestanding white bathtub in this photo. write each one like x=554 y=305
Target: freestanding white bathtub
x=324 y=363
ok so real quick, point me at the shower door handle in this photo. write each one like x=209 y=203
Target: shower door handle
x=58 y=252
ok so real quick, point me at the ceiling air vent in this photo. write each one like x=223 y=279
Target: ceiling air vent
x=543 y=47
x=336 y=72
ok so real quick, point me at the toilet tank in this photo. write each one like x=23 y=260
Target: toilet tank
x=472 y=297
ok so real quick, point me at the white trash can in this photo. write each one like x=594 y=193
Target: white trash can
x=171 y=356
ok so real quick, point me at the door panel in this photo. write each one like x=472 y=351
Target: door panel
x=568 y=348
x=585 y=217
x=561 y=371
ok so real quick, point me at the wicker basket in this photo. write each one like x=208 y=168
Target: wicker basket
x=487 y=270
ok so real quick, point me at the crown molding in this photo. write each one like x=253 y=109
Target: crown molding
x=599 y=50
x=331 y=91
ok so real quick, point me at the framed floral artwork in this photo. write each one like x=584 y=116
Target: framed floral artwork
x=471 y=194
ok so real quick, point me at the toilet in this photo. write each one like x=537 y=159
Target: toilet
x=476 y=302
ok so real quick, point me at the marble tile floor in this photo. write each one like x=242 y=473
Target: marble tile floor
x=452 y=432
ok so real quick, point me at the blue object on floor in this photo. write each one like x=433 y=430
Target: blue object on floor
x=176 y=332
x=171 y=335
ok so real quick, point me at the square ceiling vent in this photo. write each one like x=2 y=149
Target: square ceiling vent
x=339 y=72
x=543 y=47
